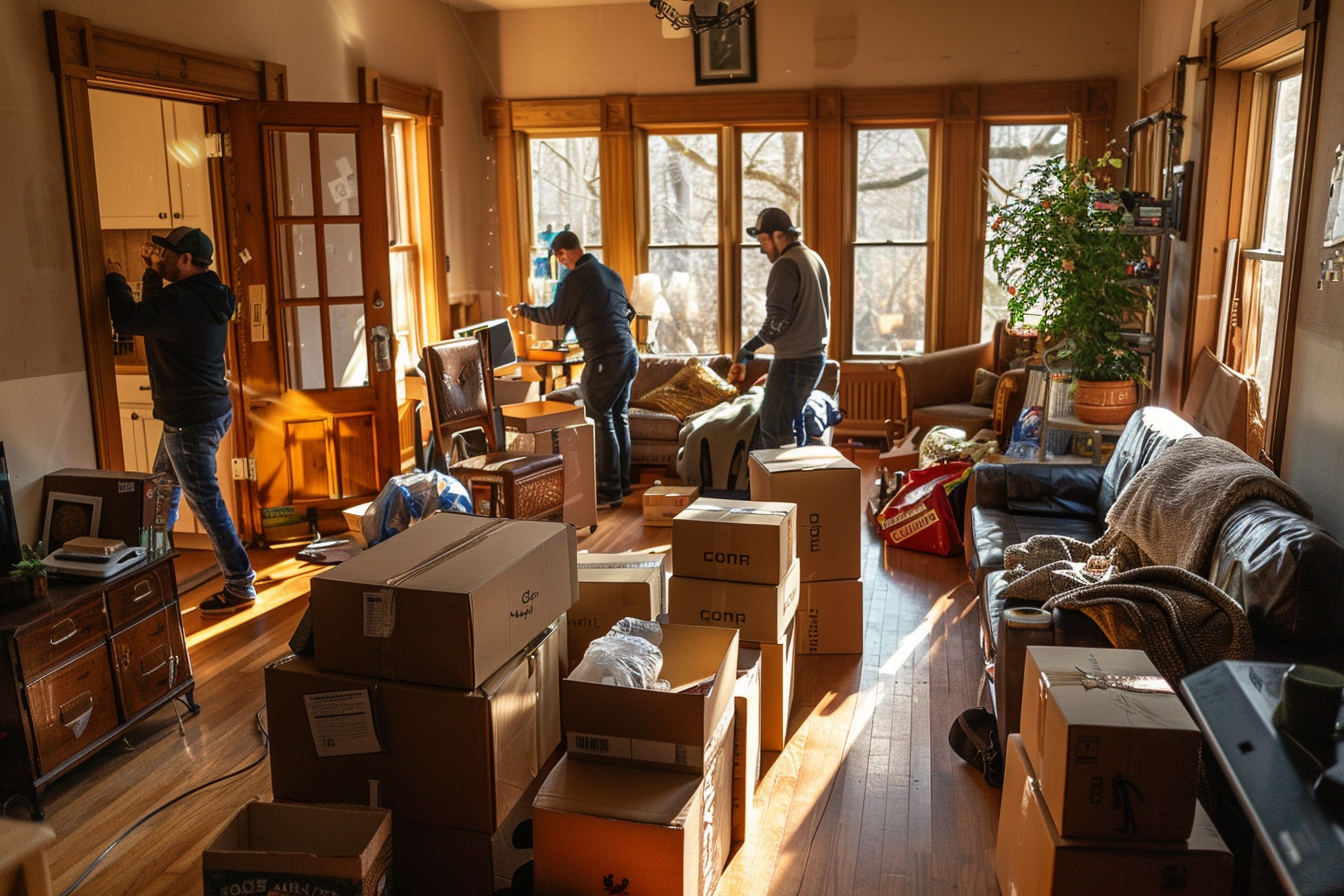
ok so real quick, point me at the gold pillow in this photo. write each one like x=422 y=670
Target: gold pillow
x=691 y=389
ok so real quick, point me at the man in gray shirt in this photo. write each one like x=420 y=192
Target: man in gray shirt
x=797 y=326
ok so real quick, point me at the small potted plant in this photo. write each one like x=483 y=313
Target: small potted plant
x=1060 y=247
x=31 y=567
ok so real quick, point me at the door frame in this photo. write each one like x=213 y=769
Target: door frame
x=85 y=55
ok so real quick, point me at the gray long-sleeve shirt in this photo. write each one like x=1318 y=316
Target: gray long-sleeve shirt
x=797 y=306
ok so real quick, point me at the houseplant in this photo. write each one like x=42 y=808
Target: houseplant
x=1060 y=248
x=31 y=567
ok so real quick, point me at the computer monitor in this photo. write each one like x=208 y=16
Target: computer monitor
x=501 y=340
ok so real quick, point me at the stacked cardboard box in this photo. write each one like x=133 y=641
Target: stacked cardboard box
x=734 y=564
x=827 y=489
x=447 y=640
x=555 y=427
x=1100 y=784
x=663 y=502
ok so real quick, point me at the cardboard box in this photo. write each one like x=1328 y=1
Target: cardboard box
x=830 y=617
x=446 y=602
x=903 y=456
x=535 y=416
x=776 y=688
x=759 y=612
x=746 y=743
x=574 y=444
x=608 y=594
x=1032 y=859
x=829 y=493
x=600 y=829
x=646 y=560
x=1112 y=762
x=663 y=502
x=516 y=390
x=664 y=729
x=279 y=848
x=347 y=739
x=740 y=541
x=118 y=504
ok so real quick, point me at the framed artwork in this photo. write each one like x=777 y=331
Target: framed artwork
x=726 y=55
x=1334 y=212
x=70 y=516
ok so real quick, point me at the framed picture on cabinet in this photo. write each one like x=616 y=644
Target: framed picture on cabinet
x=726 y=55
x=70 y=516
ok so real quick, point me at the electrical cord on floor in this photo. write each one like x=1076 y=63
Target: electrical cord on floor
x=265 y=751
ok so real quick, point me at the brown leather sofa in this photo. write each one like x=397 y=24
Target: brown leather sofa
x=653 y=434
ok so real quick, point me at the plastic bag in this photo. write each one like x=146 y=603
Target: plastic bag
x=629 y=661
x=920 y=516
x=409 y=498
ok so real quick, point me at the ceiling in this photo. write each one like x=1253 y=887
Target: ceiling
x=487 y=5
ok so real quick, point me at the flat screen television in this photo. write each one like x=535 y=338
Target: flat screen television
x=501 y=340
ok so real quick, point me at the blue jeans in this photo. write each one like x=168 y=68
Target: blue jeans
x=606 y=399
x=187 y=456
x=787 y=386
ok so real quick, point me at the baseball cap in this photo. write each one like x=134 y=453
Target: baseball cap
x=188 y=241
x=771 y=220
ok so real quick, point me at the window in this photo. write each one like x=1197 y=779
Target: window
x=772 y=176
x=404 y=253
x=684 y=239
x=891 y=240
x=1013 y=148
x=566 y=195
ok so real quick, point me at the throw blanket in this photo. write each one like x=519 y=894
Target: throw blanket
x=713 y=445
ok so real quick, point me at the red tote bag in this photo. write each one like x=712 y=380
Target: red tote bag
x=920 y=516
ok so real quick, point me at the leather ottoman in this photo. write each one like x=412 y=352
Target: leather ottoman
x=514 y=485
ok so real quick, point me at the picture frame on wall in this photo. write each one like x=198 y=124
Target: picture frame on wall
x=726 y=55
x=1334 y=212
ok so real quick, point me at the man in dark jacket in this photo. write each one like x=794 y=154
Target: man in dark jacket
x=185 y=326
x=592 y=300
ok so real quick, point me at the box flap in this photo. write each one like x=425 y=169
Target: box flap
x=647 y=796
x=325 y=841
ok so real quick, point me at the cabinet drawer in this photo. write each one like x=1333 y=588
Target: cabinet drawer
x=152 y=588
x=71 y=707
x=148 y=660
x=61 y=635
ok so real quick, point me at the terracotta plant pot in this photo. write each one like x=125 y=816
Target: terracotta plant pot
x=39 y=586
x=1110 y=401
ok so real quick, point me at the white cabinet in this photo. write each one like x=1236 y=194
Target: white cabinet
x=150 y=158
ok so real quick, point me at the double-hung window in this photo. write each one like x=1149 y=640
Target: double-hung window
x=771 y=177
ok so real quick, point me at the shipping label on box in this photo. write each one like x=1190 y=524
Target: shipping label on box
x=740 y=541
x=663 y=502
x=746 y=743
x=777 y=666
x=280 y=848
x=675 y=729
x=759 y=612
x=1031 y=858
x=606 y=596
x=446 y=602
x=827 y=489
x=1114 y=759
x=830 y=617
x=535 y=416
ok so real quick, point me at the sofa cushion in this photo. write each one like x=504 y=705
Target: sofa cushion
x=993 y=529
x=692 y=389
x=982 y=393
x=654 y=426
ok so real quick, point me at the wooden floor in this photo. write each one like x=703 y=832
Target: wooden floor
x=867 y=797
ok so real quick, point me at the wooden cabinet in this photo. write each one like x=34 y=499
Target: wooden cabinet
x=150 y=159
x=88 y=661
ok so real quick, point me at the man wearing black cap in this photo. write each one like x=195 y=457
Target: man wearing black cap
x=797 y=326
x=185 y=326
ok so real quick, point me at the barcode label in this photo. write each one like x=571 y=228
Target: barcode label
x=592 y=744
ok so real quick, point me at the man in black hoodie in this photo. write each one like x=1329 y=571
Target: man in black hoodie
x=185 y=325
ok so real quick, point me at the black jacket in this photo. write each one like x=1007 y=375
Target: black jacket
x=185 y=326
x=592 y=301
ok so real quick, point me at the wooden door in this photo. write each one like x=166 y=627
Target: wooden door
x=316 y=359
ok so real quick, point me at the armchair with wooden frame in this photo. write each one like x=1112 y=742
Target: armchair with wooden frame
x=460 y=384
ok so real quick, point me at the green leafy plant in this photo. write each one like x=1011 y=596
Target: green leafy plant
x=1059 y=247
x=30 y=564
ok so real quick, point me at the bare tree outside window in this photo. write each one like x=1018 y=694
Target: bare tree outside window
x=683 y=240
x=772 y=176
x=566 y=192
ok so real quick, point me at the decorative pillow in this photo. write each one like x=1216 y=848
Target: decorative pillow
x=692 y=389
x=982 y=393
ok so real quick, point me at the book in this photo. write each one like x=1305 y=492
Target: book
x=87 y=546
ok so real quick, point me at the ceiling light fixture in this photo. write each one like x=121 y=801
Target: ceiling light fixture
x=723 y=17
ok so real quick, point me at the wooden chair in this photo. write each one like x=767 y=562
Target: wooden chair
x=460 y=383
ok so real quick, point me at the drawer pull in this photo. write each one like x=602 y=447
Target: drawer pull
x=161 y=654
x=74 y=630
x=143 y=589
x=76 y=714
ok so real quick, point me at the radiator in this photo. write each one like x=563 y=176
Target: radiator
x=870 y=394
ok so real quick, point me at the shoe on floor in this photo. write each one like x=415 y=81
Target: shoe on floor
x=611 y=502
x=224 y=604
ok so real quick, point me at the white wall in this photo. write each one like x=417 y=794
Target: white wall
x=44 y=404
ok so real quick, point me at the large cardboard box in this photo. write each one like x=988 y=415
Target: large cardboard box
x=1112 y=762
x=446 y=602
x=740 y=541
x=1031 y=858
x=646 y=560
x=828 y=490
x=830 y=617
x=746 y=743
x=535 y=416
x=279 y=848
x=602 y=829
x=776 y=688
x=759 y=612
x=514 y=389
x=676 y=729
x=608 y=594
x=339 y=738
x=574 y=444
x=663 y=502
